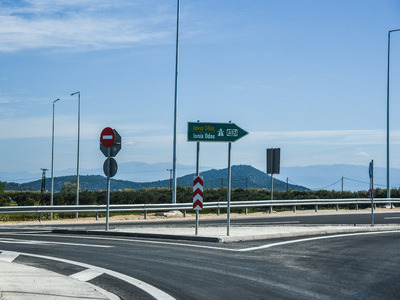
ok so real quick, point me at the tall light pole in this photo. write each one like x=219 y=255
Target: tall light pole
x=387 y=118
x=52 y=161
x=174 y=180
x=77 y=158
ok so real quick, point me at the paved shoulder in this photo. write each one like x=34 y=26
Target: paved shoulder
x=18 y=282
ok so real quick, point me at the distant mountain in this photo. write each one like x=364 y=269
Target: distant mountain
x=137 y=175
x=132 y=171
x=243 y=176
x=141 y=172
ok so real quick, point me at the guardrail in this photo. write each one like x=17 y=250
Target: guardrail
x=189 y=206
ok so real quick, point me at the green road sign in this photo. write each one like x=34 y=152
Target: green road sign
x=214 y=132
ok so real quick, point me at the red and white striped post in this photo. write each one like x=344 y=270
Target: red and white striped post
x=197 y=197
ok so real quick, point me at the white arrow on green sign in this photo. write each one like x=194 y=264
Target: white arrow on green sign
x=214 y=132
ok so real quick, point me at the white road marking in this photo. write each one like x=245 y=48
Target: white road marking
x=30 y=242
x=153 y=291
x=389 y=218
x=25 y=232
x=8 y=256
x=225 y=249
x=268 y=223
x=86 y=275
x=314 y=239
x=234 y=250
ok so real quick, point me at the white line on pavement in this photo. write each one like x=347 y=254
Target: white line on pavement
x=8 y=256
x=86 y=275
x=247 y=249
x=153 y=291
x=30 y=242
x=270 y=245
x=314 y=239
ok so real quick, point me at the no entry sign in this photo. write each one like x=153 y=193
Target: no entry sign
x=107 y=137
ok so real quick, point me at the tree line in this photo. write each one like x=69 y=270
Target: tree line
x=67 y=196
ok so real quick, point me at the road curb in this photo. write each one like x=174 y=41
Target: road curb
x=141 y=235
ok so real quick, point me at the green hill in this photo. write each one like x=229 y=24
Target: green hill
x=243 y=176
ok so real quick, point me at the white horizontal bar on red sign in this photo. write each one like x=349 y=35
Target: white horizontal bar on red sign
x=107 y=137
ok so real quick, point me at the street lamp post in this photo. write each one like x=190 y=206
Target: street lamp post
x=77 y=159
x=387 y=118
x=52 y=161
x=174 y=180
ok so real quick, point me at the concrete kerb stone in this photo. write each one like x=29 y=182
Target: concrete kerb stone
x=141 y=235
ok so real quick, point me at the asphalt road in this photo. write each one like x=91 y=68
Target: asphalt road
x=351 y=266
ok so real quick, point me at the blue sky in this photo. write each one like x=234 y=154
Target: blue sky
x=306 y=76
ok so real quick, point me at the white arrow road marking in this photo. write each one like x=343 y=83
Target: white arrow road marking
x=153 y=291
x=30 y=242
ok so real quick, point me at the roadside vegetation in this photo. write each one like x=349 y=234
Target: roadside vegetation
x=67 y=196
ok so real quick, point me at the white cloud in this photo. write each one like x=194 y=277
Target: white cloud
x=326 y=137
x=363 y=154
x=68 y=24
x=5 y=100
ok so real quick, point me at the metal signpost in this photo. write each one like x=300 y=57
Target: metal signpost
x=216 y=132
x=110 y=144
x=273 y=167
x=371 y=187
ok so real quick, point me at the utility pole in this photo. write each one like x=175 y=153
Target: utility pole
x=287 y=184
x=43 y=188
x=342 y=184
x=170 y=178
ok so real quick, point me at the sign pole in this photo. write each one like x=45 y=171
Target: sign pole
x=228 y=213
x=217 y=132
x=371 y=180
x=110 y=144
x=197 y=174
x=108 y=189
x=272 y=179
